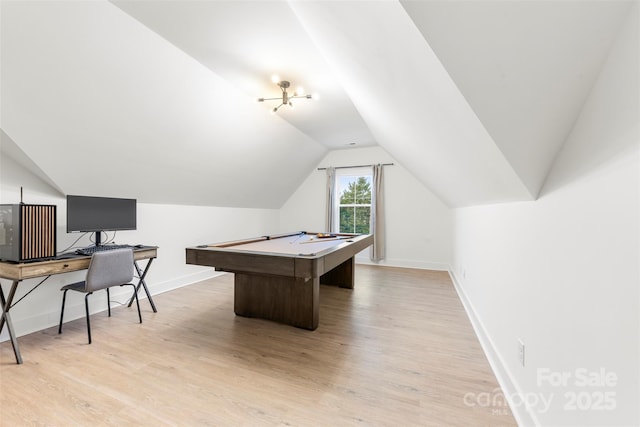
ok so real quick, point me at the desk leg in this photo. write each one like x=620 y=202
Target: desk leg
x=141 y=282
x=6 y=317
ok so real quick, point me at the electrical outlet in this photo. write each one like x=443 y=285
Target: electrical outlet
x=521 y=352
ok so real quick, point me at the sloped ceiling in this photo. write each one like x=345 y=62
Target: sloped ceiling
x=475 y=98
x=524 y=67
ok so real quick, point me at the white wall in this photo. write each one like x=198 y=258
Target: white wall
x=418 y=223
x=171 y=227
x=562 y=273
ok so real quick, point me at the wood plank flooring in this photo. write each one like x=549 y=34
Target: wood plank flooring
x=396 y=350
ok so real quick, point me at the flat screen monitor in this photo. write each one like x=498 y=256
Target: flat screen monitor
x=98 y=214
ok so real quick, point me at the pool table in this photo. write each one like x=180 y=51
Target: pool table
x=278 y=277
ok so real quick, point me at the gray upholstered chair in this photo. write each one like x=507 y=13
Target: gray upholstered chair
x=106 y=269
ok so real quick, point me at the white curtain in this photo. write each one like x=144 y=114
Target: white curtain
x=377 y=214
x=331 y=185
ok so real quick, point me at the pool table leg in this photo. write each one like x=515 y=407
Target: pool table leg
x=343 y=275
x=291 y=300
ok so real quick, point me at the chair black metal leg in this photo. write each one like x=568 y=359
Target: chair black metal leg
x=108 y=303
x=64 y=297
x=86 y=307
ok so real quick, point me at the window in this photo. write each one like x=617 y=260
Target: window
x=353 y=202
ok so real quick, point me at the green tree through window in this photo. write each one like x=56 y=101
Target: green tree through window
x=355 y=204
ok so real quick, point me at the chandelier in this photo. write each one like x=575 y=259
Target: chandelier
x=286 y=98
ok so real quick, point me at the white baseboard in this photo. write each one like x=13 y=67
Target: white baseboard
x=179 y=282
x=500 y=370
x=404 y=263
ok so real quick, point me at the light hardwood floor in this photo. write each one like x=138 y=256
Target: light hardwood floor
x=396 y=350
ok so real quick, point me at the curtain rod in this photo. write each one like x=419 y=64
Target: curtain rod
x=358 y=166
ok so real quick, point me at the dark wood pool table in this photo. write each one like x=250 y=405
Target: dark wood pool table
x=278 y=277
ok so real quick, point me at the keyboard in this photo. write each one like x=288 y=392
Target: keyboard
x=93 y=249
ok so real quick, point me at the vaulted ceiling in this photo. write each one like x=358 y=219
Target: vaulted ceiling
x=475 y=98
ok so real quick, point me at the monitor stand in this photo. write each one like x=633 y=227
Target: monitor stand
x=98 y=239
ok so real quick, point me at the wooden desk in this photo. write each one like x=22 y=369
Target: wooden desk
x=18 y=272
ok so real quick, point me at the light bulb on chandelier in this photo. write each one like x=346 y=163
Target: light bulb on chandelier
x=286 y=97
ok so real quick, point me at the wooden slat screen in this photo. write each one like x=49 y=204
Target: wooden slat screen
x=38 y=231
